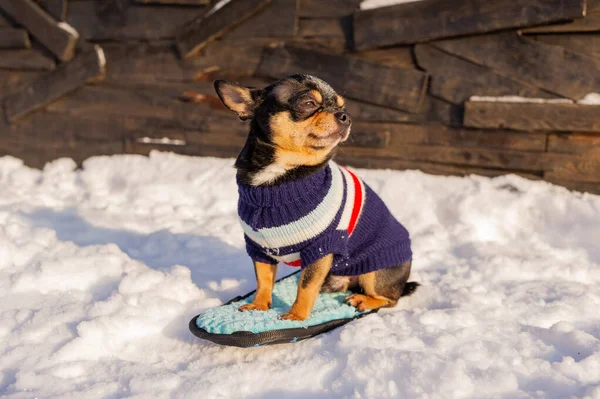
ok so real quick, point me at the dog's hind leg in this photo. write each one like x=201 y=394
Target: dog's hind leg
x=382 y=288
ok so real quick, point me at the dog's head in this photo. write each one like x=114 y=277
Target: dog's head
x=301 y=117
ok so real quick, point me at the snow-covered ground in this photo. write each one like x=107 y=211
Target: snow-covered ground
x=101 y=270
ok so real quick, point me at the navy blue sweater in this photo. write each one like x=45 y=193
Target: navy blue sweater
x=331 y=211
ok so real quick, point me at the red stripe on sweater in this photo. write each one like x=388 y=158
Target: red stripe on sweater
x=358 y=199
x=296 y=263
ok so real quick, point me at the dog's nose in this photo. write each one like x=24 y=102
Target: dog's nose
x=343 y=117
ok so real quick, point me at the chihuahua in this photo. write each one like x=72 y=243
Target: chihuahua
x=298 y=207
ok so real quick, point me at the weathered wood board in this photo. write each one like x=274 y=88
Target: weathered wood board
x=434 y=19
x=573 y=143
x=26 y=60
x=397 y=88
x=12 y=38
x=67 y=77
x=585 y=44
x=56 y=8
x=533 y=117
x=327 y=9
x=436 y=134
x=591 y=23
x=176 y=2
x=278 y=19
x=400 y=57
x=59 y=38
x=213 y=25
x=552 y=68
x=582 y=167
x=107 y=21
x=456 y=80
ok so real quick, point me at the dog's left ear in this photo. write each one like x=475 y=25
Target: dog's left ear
x=241 y=100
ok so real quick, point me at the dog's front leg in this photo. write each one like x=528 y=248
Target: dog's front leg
x=310 y=283
x=265 y=279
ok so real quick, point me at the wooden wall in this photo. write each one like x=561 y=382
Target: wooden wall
x=134 y=76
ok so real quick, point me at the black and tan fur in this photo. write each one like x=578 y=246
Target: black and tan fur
x=295 y=126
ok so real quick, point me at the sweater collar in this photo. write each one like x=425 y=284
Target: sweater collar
x=311 y=188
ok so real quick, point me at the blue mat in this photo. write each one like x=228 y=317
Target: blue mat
x=226 y=325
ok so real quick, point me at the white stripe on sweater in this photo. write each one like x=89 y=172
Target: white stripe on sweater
x=307 y=227
x=349 y=205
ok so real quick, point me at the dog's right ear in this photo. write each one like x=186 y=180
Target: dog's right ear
x=241 y=100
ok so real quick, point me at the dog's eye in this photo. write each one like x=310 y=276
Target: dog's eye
x=310 y=104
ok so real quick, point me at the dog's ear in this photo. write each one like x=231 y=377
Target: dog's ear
x=241 y=100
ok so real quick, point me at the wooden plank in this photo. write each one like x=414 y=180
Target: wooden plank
x=583 y=187
x=582 y=167
x=456 y=80
x=548 y=67
x=67 y=77
x=370 y=82
x=585 y=44
x=533 y=117
x=11 y=38
x=330 y=32
x=327 y=9
x=109 y=21
x=573 y=143
x=375 y=162
x=213 y=25
x=59 y=37
x=176 y=2
x=479 y=157
x=436 y=134
x=399 y=57
x=415 y=23
x=11 y=80
x=278 y=19
x=27 y=60
x=591 y=23
x=56 y=8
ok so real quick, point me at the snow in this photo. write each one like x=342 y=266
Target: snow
x=369 y=4
x=590 y=99
x=519 y=99
x=102 y=268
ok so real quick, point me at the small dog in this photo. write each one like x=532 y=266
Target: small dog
x=298 y=207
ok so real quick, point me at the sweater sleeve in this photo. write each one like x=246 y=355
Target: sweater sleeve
x=333 y=242
x=256 y=253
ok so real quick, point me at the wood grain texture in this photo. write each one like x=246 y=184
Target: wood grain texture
x=581 y=167
x=60 y=41
x=176 y=2
x=552 y=68
x=278 y=19
x=573 y=143
x=456 y=80
x=416 y=23
x=49 y=87
x=591 y=23
x=582 y=187
x=584 y=44
x=56 y=8
x=25 y=60
x=114 y=20
x=374 y=162
x=399 y=57
x=12 y=38
x=374 y=83
x=207 y=28
x=436 y=134
x=533 y=117
x=327 y=9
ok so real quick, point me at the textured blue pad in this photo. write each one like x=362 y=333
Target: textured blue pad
x=227 y=319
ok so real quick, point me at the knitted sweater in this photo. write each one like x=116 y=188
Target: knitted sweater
x=331 y=211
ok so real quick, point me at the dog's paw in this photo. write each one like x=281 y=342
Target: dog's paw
x=291 y=316
x=360 y=302
x=254 y=306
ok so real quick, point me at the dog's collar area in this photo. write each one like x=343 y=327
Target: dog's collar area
x=307 y=188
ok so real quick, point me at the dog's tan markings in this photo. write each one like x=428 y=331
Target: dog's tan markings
x=339 y=100
x=309 y=286
x=265 y=279
x=371 y=299
x=317 y=95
